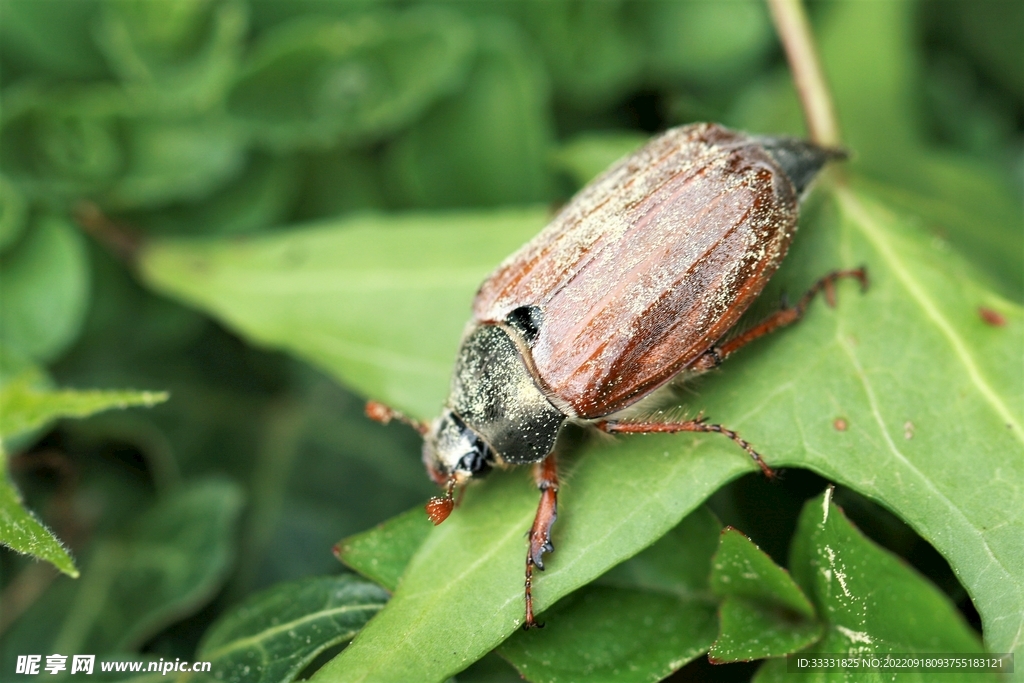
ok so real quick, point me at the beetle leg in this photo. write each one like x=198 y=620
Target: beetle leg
x=378 y=412
x=545 y=473
x=714 y=356
x=698 y=425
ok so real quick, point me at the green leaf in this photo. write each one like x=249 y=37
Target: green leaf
x=175 y=161
x=641 y=621
x=272 y=636
x=487 y=146
x=169 y=561
x=178 y=56
x=54 y=38
x=63 y=141
x=383 y=553
x=22 y=532
x=708 y=43
x=26 y=402
x=764 y=613
x=591 y=49
x=312 y=81
x=334 y=281
x=587 y=155
x=13 y=213
x=45 y=290
x=783 y=394
x=871 y=601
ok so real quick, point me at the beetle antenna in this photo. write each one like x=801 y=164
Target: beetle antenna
x=439 y=507
x=378 y=412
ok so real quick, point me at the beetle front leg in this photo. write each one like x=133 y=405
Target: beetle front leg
x=698 y=425
x=545 y=473
x=714 y=356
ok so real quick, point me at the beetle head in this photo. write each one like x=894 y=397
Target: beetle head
x=453 y=454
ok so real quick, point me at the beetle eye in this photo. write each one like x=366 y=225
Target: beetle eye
x=476 y=462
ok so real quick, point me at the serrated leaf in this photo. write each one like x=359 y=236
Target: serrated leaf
x=45 y=290
x=641 y=621
x=764 y=613
x=383 y=553
x=312 y=81
x=335 y=280
x=22 y=532
x=871 y=601
x=26 y=403
x=167 y=563
x=272 y=636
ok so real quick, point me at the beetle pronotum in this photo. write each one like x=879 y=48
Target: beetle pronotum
x=638 y=279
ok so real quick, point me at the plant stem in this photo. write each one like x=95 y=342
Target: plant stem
x=815 y=97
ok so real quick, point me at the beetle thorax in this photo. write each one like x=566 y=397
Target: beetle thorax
x=496 y=412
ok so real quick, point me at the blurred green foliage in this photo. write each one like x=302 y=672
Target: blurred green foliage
x=225 y=118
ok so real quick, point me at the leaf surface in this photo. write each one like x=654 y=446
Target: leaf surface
x=272 y=636
x=639 y=622
x=871 y=601
x=910 y=357
x=22 y=532
x=764 y=613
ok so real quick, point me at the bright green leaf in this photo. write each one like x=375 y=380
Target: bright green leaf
x=335 y=281
x=27 y=404
x=641 y=621
x=272 y=636
x=872 y=602
x=22 y=532
x=312 y=81
x=764 y=612
x=45 y=290
x=383 y=553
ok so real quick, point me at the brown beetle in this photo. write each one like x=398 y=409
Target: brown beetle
x=638 y=280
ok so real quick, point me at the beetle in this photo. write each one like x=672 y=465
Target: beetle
x=637 y=281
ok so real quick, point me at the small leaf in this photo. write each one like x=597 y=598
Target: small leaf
x=169 y=561
x=641 y=621
x=382 y=553
x=22 y=532
x=764 y=612
x=26 y=404
x=871 y=601
x=381 y=300
x=272 y=636
x=45 y=290
x=312 y=81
